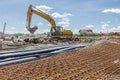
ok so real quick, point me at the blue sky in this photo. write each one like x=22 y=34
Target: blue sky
x=99 y=15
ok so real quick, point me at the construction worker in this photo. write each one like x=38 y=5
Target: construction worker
x=101 y=35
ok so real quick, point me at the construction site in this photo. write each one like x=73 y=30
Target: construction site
x=59 y=54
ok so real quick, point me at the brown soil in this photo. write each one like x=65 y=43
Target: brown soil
x=100 y=61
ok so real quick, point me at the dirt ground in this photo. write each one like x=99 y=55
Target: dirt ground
x=100 y=61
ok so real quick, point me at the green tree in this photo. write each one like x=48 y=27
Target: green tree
x=18 y=34
x=96 y=34
x=111 y=33
x=82 y=34
x=89 y=30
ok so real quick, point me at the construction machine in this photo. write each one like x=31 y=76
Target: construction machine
x=55 y=32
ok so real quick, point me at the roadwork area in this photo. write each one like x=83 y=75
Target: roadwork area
x=99 y=61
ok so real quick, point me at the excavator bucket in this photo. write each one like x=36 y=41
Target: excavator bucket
x=32 y=30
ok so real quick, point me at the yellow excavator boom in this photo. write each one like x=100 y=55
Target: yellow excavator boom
x=39 y=13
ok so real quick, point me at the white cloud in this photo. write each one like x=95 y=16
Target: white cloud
x=114 y=29
x=42 y=31
x=12 y=32
x=90 y=26
x=58 y=15
x=104 y=26
x=44 y=8
x=112 y=10
x=65 y=22
x=12 y=28
x=65 y=19
x=75 y=31
x=40 y=24
x=108 y=21
x=96 y=31
x=25 y=29
x=108 y=28
x=49 y=25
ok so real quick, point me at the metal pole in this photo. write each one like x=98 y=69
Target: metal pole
x=4 y=27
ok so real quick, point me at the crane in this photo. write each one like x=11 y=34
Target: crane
x=55 y=32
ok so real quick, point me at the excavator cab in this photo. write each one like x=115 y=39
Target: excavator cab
x=58 y=31
x=59 y=28
x=61 y=33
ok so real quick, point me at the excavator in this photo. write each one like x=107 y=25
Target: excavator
x=55 y=32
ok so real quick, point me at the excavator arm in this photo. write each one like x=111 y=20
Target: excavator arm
x=38 y=12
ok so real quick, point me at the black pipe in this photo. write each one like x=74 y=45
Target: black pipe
x=19 y=54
